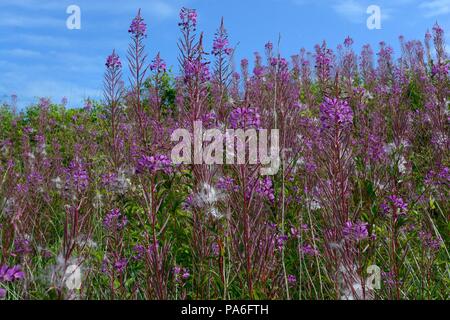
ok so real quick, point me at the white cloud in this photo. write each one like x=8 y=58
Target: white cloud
x=21 y=53
x=162 y=9
x=159 y=9
x=435 y=7
x=351 y=9
x=356 y=12
x=29 y=21
x=37 y=40
x=32 y=4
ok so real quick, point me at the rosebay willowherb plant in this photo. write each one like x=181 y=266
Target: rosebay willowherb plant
x=92 y=206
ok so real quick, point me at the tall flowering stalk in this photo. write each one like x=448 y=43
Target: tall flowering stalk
x=114 y=263
x=348 y=65
x=324 y=65
x=195 y=70
x=188 y=25
x=366 y=66
x=438 y=98
x=138 y=69
x=395 y=210
x=158 y=67
x=283 y=112
x=222 y=70
x=77 y=222
x=335 y=188
x=152 y=170
x=113 y=93
x=193 y=92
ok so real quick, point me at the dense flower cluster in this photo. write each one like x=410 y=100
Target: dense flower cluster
x=154 y=164
x=441 y=177
x=292 y=279
x=138 y=27
x=77 y=175
x=221 y=45
x=113 y=61
x=227 y=184
x=395 y=206
x=355 y=231
x=158 y=64
x=335 y=112
x=428 y=241
x=324 y=58
x=114 y=220
x=265 y=188
x=9 y=274
x=22 y=246
x=188 y=18
x=194 y=68
x=180 y=274
x=308 y=250
x=245 y=118
x=120 y=265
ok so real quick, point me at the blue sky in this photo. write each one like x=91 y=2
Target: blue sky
x=40 y=57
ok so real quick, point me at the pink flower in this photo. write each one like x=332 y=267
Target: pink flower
x=138 y=28
x=113 y=61
x=158 y=64
x=188 y=18
x=336 y=113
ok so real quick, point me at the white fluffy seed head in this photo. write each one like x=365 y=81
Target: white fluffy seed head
x=72 y=277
